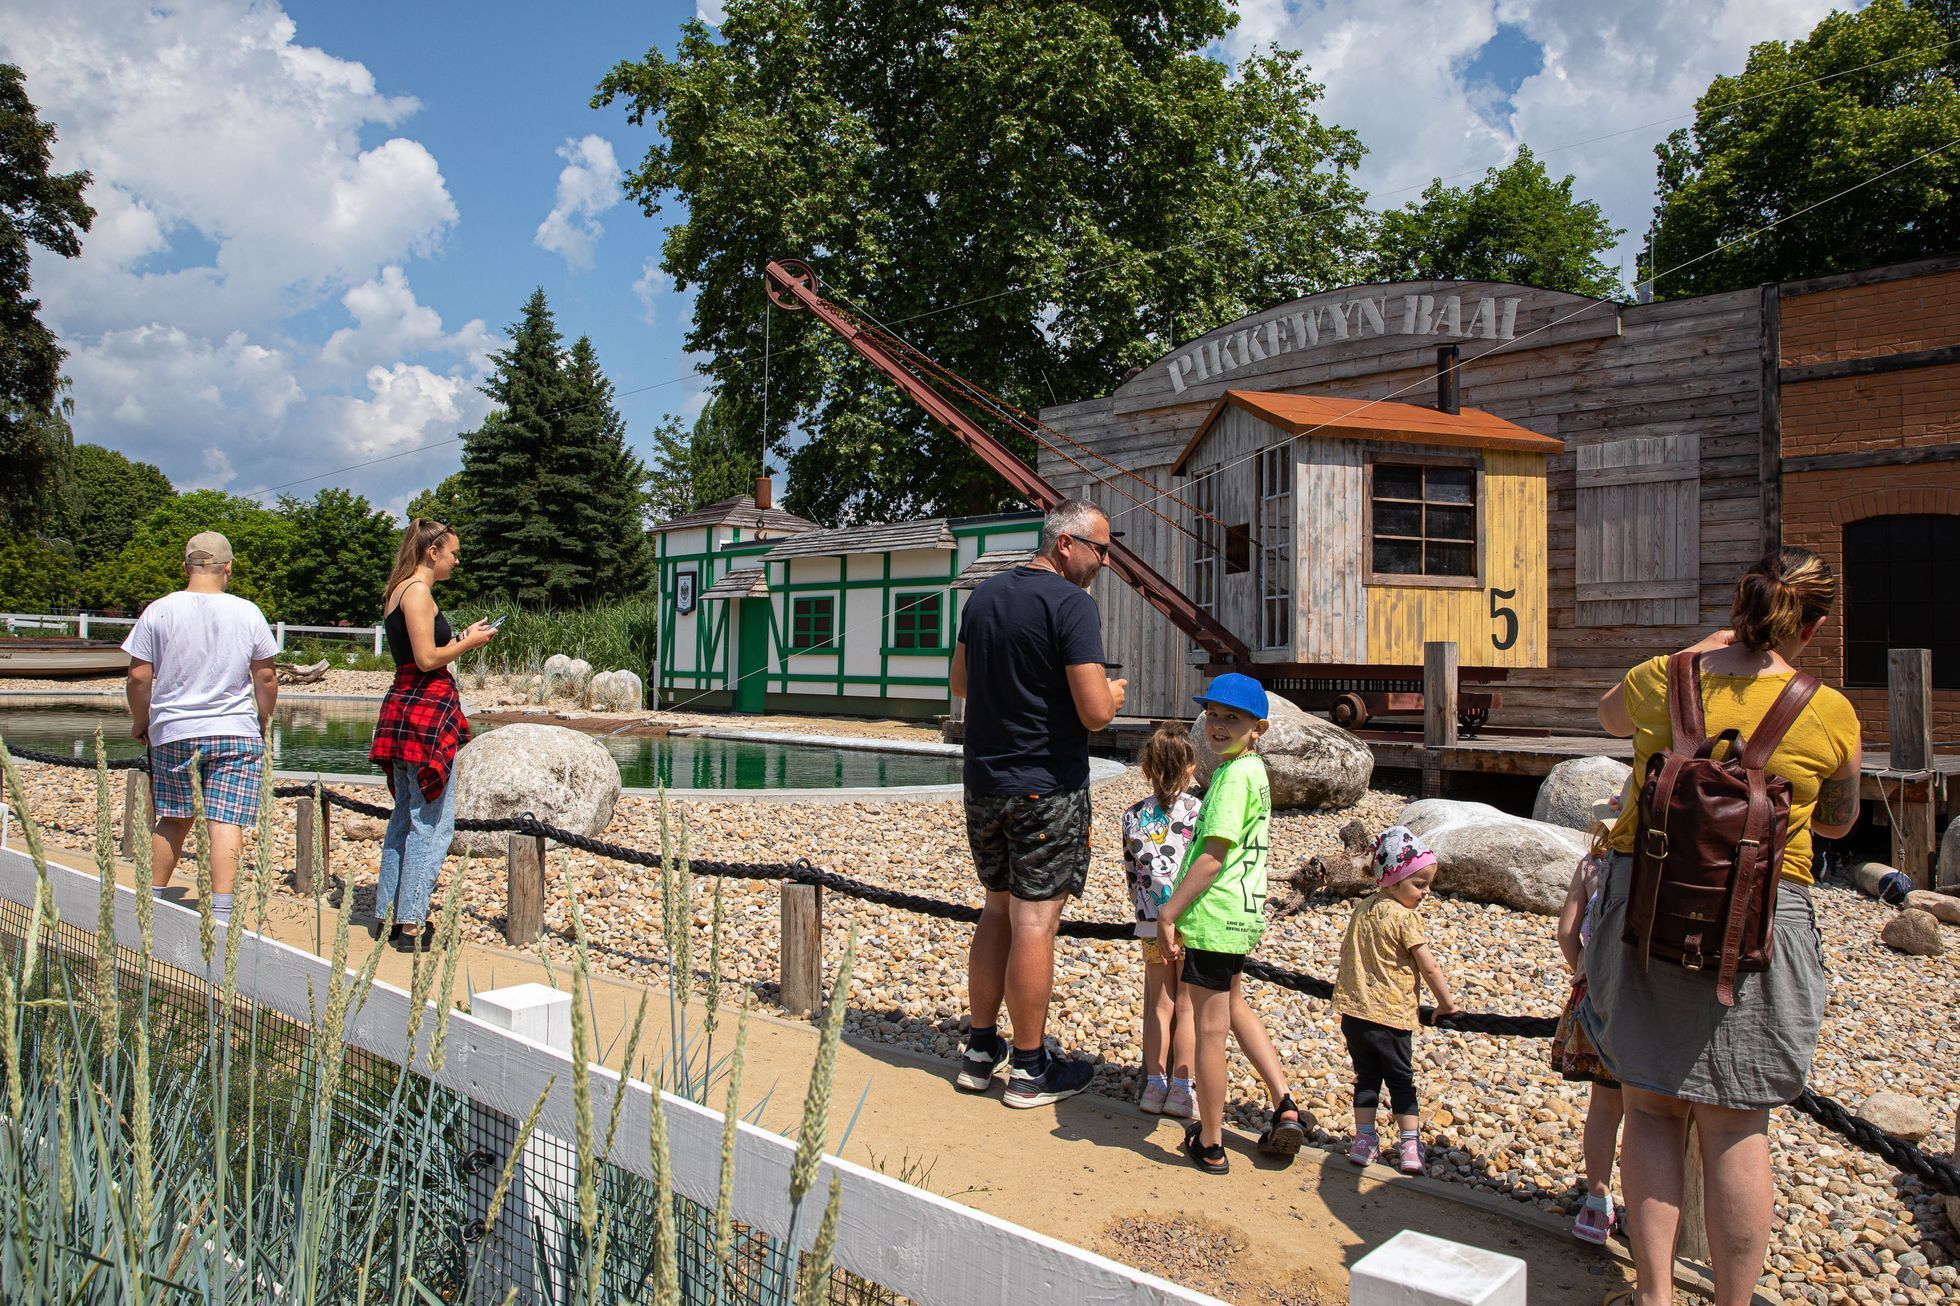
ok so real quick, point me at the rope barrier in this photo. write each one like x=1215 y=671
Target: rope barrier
x=1935 y=1172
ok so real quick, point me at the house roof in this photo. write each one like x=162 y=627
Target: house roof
x=1372 y=419
x=741 y=583
x=740 y=510
x=934 y=533
x=991 y=564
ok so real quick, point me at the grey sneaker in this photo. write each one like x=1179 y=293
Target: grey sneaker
x=1064 y=1078
x=980 y=1064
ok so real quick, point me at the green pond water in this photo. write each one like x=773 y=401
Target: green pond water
x=333 y=737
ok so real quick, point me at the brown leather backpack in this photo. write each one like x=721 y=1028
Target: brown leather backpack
x=1709 y=847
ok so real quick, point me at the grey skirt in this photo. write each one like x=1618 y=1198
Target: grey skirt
x=1660 y=1027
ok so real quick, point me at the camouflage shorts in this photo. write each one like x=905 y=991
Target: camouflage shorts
x=1035 y=848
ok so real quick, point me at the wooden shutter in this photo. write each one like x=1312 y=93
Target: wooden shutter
x=1637 y=532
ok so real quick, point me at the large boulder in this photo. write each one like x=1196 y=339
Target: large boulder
x=1946 y=876
x=560 y=776
x=1310 y=762
x=1492 y=856
x=1897 y=1114
x=1943 y=907
x=616 y=691
x=565 y=677
x=1915 y=932
x=1575 y=787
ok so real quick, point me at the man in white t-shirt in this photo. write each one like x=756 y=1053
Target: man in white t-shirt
x=201 y=683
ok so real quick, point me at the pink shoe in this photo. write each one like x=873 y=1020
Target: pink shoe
x=1362 y=1150
x=1412 y=1157
x=1152 y=1101
x=1180 y=1104
x=1593 y=1226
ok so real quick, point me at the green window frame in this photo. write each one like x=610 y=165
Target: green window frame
x=919 y=621
x=813 y=623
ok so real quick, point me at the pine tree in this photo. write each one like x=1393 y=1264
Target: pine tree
x=715 y=461
x=557 y=493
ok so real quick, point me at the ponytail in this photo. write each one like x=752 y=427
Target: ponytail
x=423 y=533
x=1165 y=758
x=1785 y=592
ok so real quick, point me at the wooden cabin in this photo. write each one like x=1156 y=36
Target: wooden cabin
x=1678 y=442
x=762 y=611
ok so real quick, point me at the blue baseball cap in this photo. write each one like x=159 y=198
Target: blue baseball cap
x=1235 y=691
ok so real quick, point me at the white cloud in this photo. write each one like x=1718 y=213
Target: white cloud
x=588 y=185
x=1606 y=68
x=651 y=284
x=711 y=12
x=390 y=322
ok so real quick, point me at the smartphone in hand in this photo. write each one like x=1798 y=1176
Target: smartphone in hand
x=499 y=620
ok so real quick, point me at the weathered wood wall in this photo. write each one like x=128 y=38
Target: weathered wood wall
x=1590 y=374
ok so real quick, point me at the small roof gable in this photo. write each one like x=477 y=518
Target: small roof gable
x=934 y=533
x=740 y=510
x=1372 y=419
x=991 y=564
x=742 y=583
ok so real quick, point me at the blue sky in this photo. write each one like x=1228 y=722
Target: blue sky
x=316 y=218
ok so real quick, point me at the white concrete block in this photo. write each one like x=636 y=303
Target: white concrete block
x=1414 y=1269
x=534 y=1011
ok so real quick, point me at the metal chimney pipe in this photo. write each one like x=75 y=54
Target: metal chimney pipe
x=1447 y=363
x=764 y=493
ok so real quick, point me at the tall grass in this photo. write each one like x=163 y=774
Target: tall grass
x=616 y=637
x=178 y=1143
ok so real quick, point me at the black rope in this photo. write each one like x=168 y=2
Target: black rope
x=1935 y=1172
x=56 y=759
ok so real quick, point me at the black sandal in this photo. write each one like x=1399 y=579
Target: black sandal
x=413 y=943
x=1211 y=1160
x=1283 y=1137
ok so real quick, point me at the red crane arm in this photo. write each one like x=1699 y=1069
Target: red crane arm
x=793 y=285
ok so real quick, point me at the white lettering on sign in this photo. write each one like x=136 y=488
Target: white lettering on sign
x=1306 y=326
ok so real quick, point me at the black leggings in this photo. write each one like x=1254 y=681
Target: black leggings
x=1379 y=1053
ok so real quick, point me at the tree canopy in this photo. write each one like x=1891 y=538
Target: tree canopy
x=1515 y=225
x=1863 y=94
x=557 y=494
x=714 y=461
x=110 y=496
x=338 y=560
x=152 y=563
x=37 y=207
x=452 y=504
x=1038 y=196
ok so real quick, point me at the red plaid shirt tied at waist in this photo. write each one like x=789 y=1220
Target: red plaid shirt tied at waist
x=421 y=723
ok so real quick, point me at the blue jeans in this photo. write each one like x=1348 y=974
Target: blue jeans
x=419 y=831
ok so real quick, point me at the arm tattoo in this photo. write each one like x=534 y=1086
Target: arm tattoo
x=1837 y=801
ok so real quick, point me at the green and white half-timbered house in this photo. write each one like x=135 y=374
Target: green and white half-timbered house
x=763 y=611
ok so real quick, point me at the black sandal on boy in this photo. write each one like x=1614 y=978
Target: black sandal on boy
x=1283 y=1137
x=1211 y=1160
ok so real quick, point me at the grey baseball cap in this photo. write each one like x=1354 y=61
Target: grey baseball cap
x=207 y=549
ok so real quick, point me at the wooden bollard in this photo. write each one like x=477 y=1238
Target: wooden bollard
x=131 y=780
x=1909 y=704
x=801 y=974
x=305 y=814
x=524 y=898
x=1439 y=663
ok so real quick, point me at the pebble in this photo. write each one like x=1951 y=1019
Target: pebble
x=1496 y=1116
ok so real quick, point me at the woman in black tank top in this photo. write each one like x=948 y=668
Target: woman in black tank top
x=420 y=730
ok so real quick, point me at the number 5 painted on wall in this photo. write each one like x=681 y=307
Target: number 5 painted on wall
x=1506 y=615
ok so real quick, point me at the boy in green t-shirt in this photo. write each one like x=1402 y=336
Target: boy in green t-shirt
x=1216 y=913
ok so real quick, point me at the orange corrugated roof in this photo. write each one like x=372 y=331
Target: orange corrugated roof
x=1375 y=419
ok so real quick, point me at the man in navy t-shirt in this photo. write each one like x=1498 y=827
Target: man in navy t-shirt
x=1029 y=663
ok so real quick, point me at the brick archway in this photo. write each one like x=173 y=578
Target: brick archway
x=1894 y=501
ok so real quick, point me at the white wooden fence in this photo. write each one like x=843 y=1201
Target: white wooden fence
x=926 y=1248
x=82 y=623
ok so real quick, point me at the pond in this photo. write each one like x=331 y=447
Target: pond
x=332 y=737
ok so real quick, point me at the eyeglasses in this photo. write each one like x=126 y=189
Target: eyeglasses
x=1102 y=550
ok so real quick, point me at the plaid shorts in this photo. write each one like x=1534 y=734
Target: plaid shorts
x=228 y=768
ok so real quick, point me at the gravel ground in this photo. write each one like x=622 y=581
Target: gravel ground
x=1848 y=1227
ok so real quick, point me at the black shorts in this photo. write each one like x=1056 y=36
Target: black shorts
x=1211 y=970
x=1034 y=847
x=1381 y=1054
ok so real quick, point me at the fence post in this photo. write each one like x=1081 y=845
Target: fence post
x=800 y=965
x=131 y=780
x=1909 y=703
x=81 y=626
x=524 y=897
x=377 y=641
x=306 y=814
x=1438 y=711
x=279 y=636
x=545 y=1186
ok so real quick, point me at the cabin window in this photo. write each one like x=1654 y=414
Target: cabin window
x=1423 y=520
x=1238 y=549
x=917 y=621
x=1276 y=546
x=1892 y=596
x=1204 y=542
x=813 y=624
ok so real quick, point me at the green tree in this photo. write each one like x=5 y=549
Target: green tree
x=1516 y=225
x=36 y=576
x=715 y=461
x=152 y=563
x=1039 y=196
x=338 y=559
x=558 y=505
x=1864 y=93
x=37 y=207
x=453 y=504
x=110 y=496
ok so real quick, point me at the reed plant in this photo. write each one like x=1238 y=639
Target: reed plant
x=612 y=637
x=175 y=1142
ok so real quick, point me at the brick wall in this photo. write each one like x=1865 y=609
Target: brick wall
x=1891 y=317
x=1816 y=508
x=1907 y=409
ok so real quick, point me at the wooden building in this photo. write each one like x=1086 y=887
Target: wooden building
x=764 y=611
x=1678 y=441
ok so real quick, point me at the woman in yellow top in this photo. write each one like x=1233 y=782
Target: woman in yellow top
x=1660 y=1029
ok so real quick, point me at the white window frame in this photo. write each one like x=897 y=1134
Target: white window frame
x=1275 y=549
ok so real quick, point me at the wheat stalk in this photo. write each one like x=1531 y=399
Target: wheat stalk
x=510 y=1162
x=105 y=918
x=588 y=1191
x=625 y=1072
x=666 y=1257
x=262 y=854
x=725 y=1197
x=10 y=1045
x=816 y=1104
x=422 y=971
x=711 y=983
x=30 y=833
x=207 y=923
x=449 y=932
x=814 y=1271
